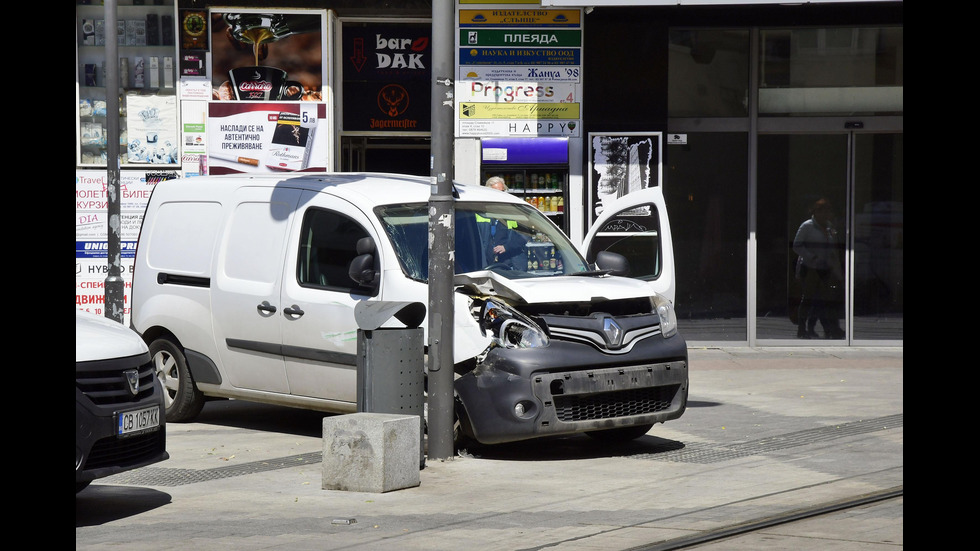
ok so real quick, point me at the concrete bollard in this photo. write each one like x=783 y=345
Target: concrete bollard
x=371 y=452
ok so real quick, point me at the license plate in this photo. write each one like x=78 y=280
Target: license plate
x=138 y=420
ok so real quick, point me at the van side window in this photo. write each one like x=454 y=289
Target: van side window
x=328 y=244
x=635 y=234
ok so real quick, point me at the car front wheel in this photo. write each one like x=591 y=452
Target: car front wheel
x=183 y=400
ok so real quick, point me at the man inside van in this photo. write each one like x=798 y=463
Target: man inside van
x=503 y=244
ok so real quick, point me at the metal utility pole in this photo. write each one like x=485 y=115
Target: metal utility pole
x=441 y=235
x=114 y=286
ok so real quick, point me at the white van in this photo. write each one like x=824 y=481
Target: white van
x=244 y=288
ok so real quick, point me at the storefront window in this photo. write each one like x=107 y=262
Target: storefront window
x=831 y=71
x=708 y=73
x=707 y=200
x=145 y=92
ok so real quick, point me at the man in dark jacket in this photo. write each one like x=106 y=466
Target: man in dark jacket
x=503 y=244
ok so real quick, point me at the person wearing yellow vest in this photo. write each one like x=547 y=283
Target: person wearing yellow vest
x=503 y=244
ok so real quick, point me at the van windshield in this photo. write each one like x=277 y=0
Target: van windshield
x=513 y=240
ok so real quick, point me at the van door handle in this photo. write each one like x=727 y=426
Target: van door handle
x=266 y=308
x=293 y=311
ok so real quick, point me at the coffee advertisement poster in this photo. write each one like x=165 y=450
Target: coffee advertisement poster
x=268 y=55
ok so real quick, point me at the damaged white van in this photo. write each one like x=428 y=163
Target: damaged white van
x=245 y=287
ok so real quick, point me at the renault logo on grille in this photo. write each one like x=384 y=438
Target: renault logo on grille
x=614 y=333
x=133 y=378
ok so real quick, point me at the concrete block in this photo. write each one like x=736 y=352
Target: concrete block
x=371 y=452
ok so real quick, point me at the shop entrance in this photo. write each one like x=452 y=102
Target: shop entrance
x=849 y=287
x=398 y=154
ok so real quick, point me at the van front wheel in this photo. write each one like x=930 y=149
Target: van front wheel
x=183 y=400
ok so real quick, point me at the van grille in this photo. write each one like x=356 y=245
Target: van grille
x=618 y=403
x=105 y=384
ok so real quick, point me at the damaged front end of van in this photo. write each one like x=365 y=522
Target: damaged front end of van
x=547 y=343
x=569 y=361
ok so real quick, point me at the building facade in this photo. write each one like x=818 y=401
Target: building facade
x=755 y=112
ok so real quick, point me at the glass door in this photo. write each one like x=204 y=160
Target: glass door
x=802 y=202
x=877 y=247
x=830 y=238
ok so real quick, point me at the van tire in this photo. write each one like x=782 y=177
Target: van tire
x=621 y=434
x=182 y=398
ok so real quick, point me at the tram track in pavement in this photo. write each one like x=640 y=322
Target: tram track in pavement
x=786 y=517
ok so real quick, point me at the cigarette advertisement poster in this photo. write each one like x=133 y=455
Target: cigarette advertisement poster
x=91 y=233
x=258 y=137
x=622 y=163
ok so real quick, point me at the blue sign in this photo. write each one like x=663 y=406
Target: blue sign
x=519 y=56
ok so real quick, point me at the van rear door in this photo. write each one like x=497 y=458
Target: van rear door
x=246 y=288
x=636 y=226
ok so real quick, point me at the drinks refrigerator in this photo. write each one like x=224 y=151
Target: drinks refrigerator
x=536 y=170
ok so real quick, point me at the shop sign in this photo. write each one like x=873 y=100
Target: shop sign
x=90 y=276
x=518 y=72
x=387 y=70
x=550 y=38
x=387 y=106
x=519 y=56
x=387 y=52
x=526 y=128
x=92 y=202
x=555 y=111
x=519 y=18
x=549 y=73
x=92 y=231
x=492 y=91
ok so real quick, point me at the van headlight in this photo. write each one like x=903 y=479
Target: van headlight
x=668 y=320
x=509 y=328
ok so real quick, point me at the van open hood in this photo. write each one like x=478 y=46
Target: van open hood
x=551 y=289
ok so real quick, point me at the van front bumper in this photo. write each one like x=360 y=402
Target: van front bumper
x=568 y=388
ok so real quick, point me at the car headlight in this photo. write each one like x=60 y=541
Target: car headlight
x=509 y=328
x=668 y=320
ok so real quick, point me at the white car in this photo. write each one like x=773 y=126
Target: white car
x=119 y=411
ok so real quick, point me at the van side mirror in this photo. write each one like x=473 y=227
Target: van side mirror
x=361 y=269
x=614 y=262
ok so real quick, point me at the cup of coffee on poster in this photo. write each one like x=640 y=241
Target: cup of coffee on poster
x=259 y=83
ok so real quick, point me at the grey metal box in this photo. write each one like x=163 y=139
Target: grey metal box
x=391 y=373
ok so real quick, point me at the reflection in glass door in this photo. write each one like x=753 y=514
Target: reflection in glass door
x=830 y=237
x=802 y=202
